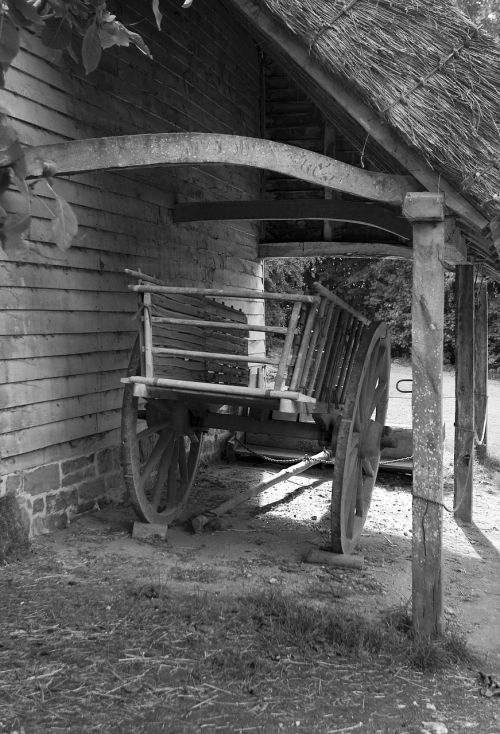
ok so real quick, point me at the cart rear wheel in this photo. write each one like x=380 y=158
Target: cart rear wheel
x=357 y=454
x=160 y=454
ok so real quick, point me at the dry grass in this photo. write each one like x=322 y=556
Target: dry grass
x=89 y=653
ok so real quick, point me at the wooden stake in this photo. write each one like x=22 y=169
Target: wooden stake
x=481 y=371
x=287 y=346
x=426 y=211
x=464 y=393
x=148 y=335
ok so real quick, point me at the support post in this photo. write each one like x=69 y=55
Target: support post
x=481 y=371
x=426 y=213
x=464 y=393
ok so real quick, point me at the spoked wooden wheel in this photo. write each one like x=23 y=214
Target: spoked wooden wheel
x=160 y=454
x=357 y=454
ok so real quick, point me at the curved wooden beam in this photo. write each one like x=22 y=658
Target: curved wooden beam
x=354 y=212
x=159 y=149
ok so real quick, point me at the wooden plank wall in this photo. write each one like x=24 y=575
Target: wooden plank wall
x=67 y=319
x=292 y=117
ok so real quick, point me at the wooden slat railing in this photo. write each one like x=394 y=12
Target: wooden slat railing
x=189 y=335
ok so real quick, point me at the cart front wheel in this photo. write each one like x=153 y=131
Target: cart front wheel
x=160 y=454
x=357 y=454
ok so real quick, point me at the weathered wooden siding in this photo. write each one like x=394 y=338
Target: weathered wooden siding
x=66 y=320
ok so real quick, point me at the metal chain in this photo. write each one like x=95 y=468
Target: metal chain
x=271 y=459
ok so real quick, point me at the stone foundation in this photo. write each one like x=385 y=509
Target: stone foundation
x=51 y=495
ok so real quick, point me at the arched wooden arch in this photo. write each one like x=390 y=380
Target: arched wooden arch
x=159 y=149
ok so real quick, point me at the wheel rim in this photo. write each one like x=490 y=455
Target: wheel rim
x=357 y=454
x=160 y=454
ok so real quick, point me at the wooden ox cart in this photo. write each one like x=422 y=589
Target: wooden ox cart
x=190 y=371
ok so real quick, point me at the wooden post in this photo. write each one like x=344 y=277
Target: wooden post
x=481 y=371
x=148 y=336
x=329 y=149
x=464 y=392
x=426 y=212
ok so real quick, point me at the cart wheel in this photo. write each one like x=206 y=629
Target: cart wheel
x=357 y=454
x=160 y=454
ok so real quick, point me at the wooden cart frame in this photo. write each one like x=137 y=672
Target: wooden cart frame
x=330 y=386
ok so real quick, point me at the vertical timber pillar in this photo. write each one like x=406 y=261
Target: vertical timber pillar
x=481 y=371
x=426 y=213
x=464 y=393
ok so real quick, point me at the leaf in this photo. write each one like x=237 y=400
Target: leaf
x=187 y=3
x=13 y=229
x=10 y=151
x=137 y=40
x=18 y=177
x=157 y=13
x=65 y=224
x=113 y=34
x=16 y=224
x=26 y=10
x=56 y=33
x=9 y=40
x=15 y=246
x=91 y=49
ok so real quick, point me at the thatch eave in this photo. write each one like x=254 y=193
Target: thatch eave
x=429 y=76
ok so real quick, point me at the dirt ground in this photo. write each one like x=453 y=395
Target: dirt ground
x=85 y=612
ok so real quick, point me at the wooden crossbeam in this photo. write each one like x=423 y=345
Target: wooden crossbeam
x=334 y=249
x=287 y=209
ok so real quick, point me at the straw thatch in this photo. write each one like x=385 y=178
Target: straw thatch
x=425 y=68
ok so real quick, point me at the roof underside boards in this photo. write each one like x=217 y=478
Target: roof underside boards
x=429 y=77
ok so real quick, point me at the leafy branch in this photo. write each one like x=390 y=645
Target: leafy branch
x=83 y=29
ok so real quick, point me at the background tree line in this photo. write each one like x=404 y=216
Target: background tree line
x=381 y=289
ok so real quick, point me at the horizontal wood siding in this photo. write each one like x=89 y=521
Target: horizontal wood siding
x=67 y=319
x=292 y=117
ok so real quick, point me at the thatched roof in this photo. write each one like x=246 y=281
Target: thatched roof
x=424 y=68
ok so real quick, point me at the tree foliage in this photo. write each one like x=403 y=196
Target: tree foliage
x=381 y=290
x=485 y=13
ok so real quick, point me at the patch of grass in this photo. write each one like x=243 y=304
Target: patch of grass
x=288 y=622
x=422 y=653
x=490 y=464
x=201 y=574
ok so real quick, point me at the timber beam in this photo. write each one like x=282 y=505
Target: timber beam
x=334 y=249
x=455 y=246
x=426 y=213
x=288 y=209
x=160 y=149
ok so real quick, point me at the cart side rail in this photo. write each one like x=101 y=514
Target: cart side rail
x=190 y=334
